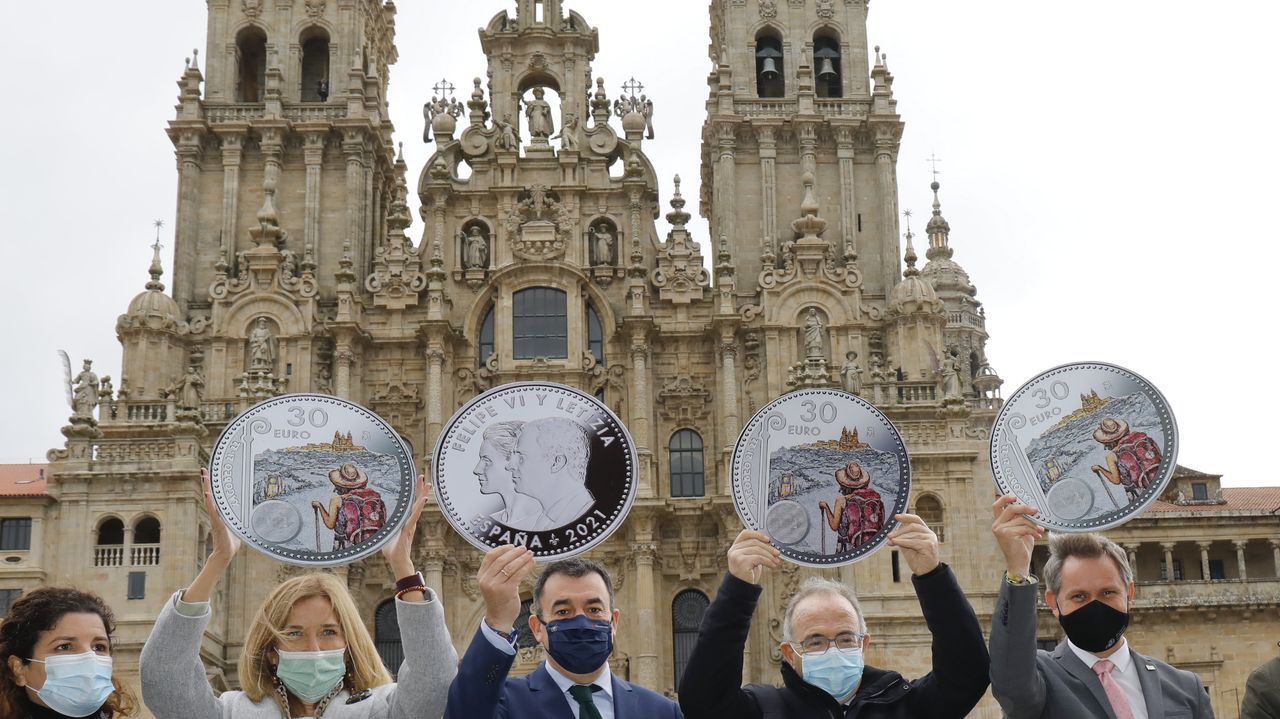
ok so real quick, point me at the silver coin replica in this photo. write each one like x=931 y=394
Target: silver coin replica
x=823 y=473
x=536 y=464
x=1091 y=445
x=312 y=480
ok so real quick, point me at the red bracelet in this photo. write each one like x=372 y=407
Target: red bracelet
x=412 y=583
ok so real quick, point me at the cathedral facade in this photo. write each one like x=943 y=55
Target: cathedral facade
x=298 y=268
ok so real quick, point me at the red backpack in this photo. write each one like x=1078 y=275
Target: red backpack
x=862 y=517
x=1138 y=458
x=360 y=515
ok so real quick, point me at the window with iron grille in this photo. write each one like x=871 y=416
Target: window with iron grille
x=687 y=611
x=540 y=323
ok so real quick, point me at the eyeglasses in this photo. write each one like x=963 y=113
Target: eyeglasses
x=845 y=642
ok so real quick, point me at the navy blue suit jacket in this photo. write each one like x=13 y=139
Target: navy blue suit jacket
x=482 y=690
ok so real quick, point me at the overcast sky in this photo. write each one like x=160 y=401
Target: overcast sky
x=1107 y=173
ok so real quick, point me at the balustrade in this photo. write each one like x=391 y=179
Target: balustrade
x=144 y=555
x=108 y=555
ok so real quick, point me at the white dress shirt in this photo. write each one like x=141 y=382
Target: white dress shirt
x=603 y=699
x=1125 y=674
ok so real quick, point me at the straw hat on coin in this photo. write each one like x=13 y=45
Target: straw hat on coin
x=348 y=476
x=853 y=476
x=1111 y=430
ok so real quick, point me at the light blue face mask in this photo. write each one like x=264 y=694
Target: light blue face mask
x=76 y=685
x=310 y=676
x=833 y=671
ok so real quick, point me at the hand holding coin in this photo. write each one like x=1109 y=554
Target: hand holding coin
x=501 y=571
x=397 y=551
x=750 y=551
x=1015 y=533
x=918 y=543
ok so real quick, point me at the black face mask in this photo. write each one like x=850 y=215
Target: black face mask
x=1095 y=627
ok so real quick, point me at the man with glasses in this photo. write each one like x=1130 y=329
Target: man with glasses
x=824 y=639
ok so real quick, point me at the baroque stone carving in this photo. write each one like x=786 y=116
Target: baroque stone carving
x=539 y=225
x=684 y=399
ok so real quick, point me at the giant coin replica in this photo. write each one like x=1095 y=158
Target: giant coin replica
x=312 y=480
x=535 y=464
x=823 y=473
x=1090 y=445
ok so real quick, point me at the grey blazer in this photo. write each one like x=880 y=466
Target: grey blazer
x=1035 y=684
x=174 y=685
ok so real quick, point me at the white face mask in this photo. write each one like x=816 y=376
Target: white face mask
x=76 y=685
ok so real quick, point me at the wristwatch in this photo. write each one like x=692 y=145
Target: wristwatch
x=412 y=583
x=1018 y=580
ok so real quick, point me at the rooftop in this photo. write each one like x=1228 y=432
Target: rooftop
x=24 y=480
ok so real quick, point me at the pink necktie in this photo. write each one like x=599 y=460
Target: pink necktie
x=1116 y=695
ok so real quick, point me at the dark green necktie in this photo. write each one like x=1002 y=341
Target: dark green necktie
x=582 y=694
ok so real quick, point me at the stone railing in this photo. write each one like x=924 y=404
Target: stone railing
x=315 y=112
x=967 y=318
x=219 y=412
x=1211 y=593
x=239 y=112
x=843 y=108
x=108 y=555
x=766 y=108
x=146 y=412
x=144 y=555
x=991 y=403
x=917 y=393
x=250 y=111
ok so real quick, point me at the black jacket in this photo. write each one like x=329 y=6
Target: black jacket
x=711 y=685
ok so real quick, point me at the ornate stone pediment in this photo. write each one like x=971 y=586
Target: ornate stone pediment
x=683 y=398
x=539 y=226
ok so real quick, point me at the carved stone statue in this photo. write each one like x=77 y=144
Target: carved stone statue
x=262 y=347
x=475 y=250
x=877 y=369
x=602 y=245
x=288 y=265
x=646 y=109
x=106 y=392
x=851 y=374
x=569 y=133
x=188 y=390
x=507 y=138
x=84 y=390
x=813 y=334
x=538 y=111
x=950 y=375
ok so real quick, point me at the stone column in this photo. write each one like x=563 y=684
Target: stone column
x=433 y=573
x=185 y=233
x=352 y=148
x=808 y=136
x=232 y=153
x=644 y=550
x=888 y=215
x=1275 y=554
x=1132 y=551
x=1204 y=559
x=1168 y=560
x=768 y=188
x=730 y=422
x=313 y=155
x=1240 y=544
x=848 y=191
x=725 y=181
x=342 y=360
x=272 y=148
x=640 y=403
x=435 y=387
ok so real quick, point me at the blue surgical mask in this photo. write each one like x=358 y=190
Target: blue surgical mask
x=310 y=676
x=833 y=671
x=580 y=644
x=76 y=685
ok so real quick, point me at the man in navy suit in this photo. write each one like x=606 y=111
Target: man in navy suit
x=574 y=618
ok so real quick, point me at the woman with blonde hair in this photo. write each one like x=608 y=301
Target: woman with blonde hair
x=56 y=647
x=307 y=653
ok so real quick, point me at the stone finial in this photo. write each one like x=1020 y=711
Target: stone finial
x=810 y=204
x=938 y=229
x=678 y=217
x=156 y=268
x=910 y=257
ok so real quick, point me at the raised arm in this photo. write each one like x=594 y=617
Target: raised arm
x=711 y=687
x=960 y=661
x=1016 y=681
x=174 y=685
x=430 y=661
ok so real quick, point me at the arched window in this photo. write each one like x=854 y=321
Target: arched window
x=929 y=508
x=595 y=335
x=686 y=616
x=386 y=636
x=147 y=531
x=486 y=337
x=315 y=65
x=110 y=532
x=685 y=453
x=109 y=551
x=251 y=57
x=540 y=323
x=770 y=80
x=828 y=70
x=145 y=549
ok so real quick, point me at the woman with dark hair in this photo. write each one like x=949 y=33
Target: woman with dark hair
x=56 y=645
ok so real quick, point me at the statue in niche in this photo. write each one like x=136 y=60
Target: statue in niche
x=602 y=245
x=84 y=391
x=262 y=347
x=188 y=390
x=324 y=380
x=475 y=249
x=851 y=374
x=813 y=334
x=569 y=133
x=951 y=374
x=538 y=112
x=507 y=138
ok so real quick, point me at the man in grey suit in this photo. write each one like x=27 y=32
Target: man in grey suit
x=1093 y=673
